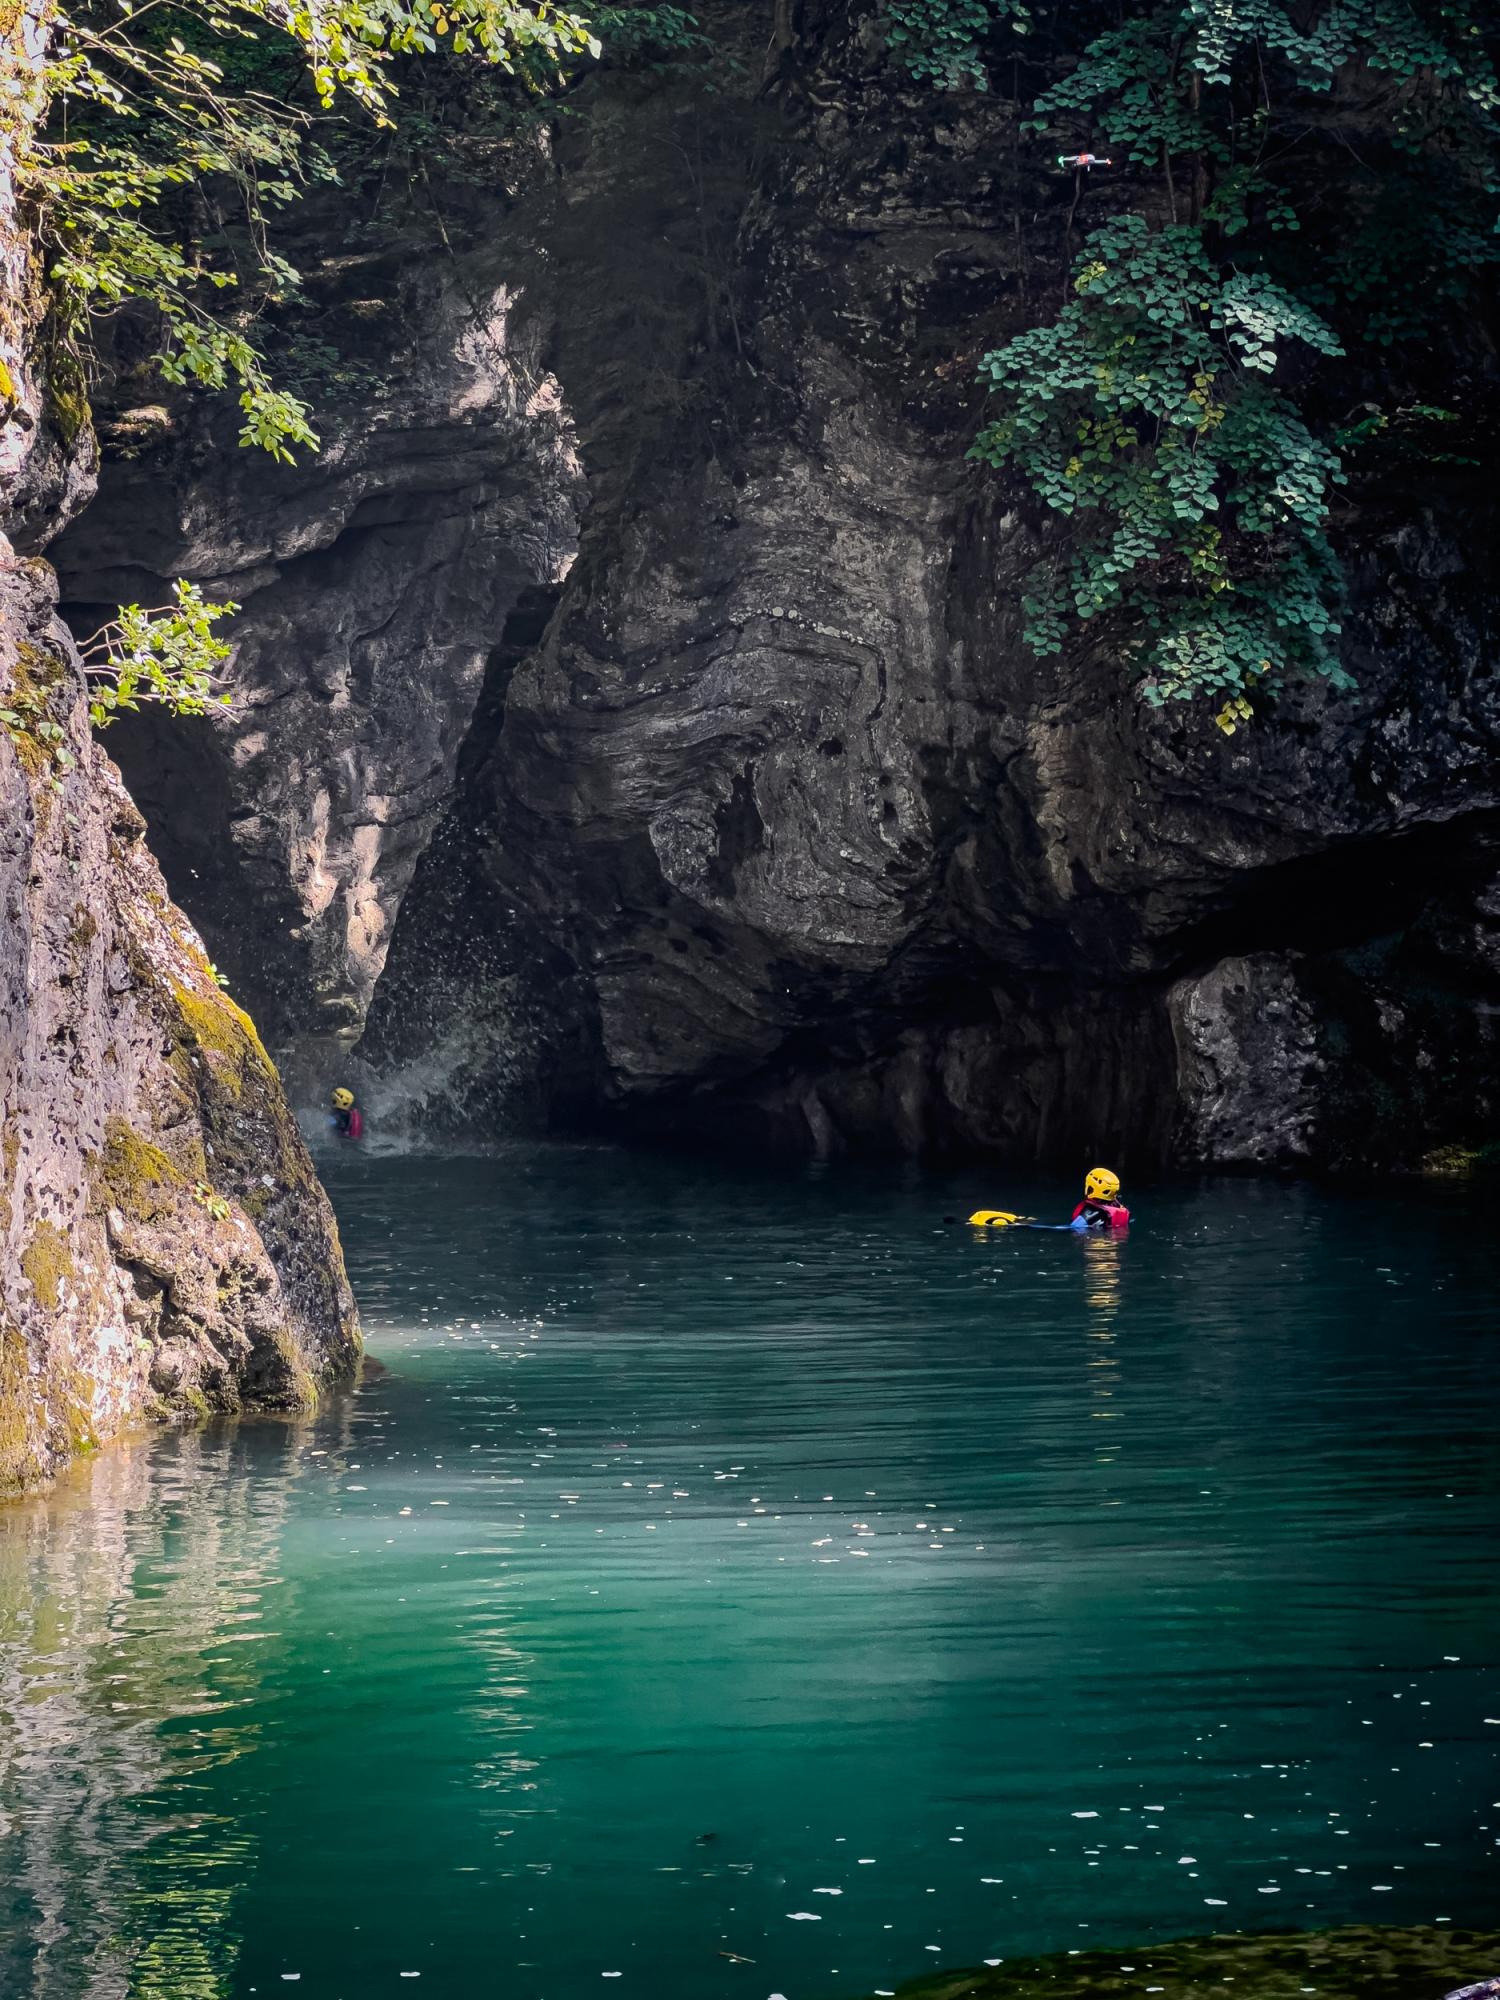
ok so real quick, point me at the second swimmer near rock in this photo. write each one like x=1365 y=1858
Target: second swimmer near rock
x=1100 y=1210
x=344 y=1114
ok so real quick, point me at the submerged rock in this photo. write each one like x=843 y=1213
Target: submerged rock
x=1354 y=1962
x=166 y=1246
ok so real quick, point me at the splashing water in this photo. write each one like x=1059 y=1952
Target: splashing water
x=409 y=1108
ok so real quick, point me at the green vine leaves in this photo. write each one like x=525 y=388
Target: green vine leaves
x=168 y=655
x=1145 y=413
x=1175 y=410
x=149 y=107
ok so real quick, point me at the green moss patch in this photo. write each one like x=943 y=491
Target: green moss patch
x=10 y=1152
x=47 y=1263
x=213 y=1025
x=38 y=736
x=82 y=934
x=215 y=1022
x=139 y=1178
x=18 y=1456
x=66 y=389
x=1458 y=1162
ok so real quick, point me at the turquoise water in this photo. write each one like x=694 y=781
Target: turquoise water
x=747 y=1566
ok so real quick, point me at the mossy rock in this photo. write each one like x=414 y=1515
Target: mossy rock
x=18 y=1458
x=1459 y=1162
x=32 y=758
x=47 y=1262
x=255 y=1201
x=66 y=389
x=214 y=1026
x=1358 y=1962
x=10 y=1152
x=82 y=934
x=35 y=676
x=141 y=1181
x=38 y=671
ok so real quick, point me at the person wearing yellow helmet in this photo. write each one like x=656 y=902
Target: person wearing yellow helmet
x=1101 y=1207
x=346 y=1118
x=1100 y=1210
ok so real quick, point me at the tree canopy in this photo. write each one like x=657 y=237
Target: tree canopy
x=1280 y=211
x=1313 y=199
x=150 y=105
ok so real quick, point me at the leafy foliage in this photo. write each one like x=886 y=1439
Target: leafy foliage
x=648 y=37
x=214 y=1204
x=151 y=120
x=157 y=123
x=1200 y=487
x=1145 y=411
x=168 y=655
x=27 y=719
x=942 y=41
x=1164 y=83
x=1416 y=238
x=1127 y=83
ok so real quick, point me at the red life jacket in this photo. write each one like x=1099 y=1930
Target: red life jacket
x=1116 y=1212
x=356 y=1127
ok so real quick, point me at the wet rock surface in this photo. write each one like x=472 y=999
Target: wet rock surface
x=167 y=1249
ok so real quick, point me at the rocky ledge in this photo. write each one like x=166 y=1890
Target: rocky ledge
x=167 y=1247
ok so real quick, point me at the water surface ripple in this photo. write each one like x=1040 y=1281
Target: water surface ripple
x=744 y=1583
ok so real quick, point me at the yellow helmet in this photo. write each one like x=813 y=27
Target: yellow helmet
x=342 y=1100
x=1101 y=1185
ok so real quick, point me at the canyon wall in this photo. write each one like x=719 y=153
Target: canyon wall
x=167 y=1248
x=761 y=823
x=374 y=581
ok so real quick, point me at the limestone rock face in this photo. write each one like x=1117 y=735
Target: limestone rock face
x=1250 y=1066
x=166 y=1246
x=374 y=581
x=783 y=833
x=47 y=452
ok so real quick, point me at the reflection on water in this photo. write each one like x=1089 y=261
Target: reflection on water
x=133 y=1627
x=742 y=1584
x=1103 y=1270
x=1103 y=1275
